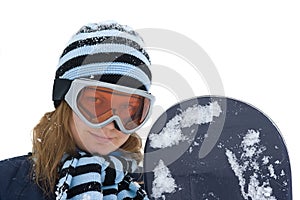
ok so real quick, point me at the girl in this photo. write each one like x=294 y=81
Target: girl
x=87 y=147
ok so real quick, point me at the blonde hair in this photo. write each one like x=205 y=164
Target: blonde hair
x=52 y=138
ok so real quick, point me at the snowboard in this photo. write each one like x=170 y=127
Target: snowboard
x=216 y=148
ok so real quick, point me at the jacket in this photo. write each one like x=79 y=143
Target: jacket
x=16 y=182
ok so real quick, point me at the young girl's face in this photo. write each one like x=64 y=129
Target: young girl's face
x=101 y=141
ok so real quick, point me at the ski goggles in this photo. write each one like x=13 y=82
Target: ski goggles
x=99 y=103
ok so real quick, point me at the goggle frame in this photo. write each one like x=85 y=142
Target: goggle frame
x=78 y=84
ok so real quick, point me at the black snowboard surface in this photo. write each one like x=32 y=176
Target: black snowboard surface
x=233 y=152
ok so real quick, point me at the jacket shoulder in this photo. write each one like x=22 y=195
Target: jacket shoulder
x=13 y=162
x=16 y=179
x=9 y=168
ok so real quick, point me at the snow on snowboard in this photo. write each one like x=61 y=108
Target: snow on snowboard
x=216 y=148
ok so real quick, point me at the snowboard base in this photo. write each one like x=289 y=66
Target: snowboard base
x=216 y=148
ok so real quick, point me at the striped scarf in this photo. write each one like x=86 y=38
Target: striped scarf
x=88 y=177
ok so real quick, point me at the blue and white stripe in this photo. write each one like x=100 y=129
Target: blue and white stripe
x=105 y=51
x=102 y=48
x=116 y=68
x=87 y=184
x=106 y=33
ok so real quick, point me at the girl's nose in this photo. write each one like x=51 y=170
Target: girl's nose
x=112 y=125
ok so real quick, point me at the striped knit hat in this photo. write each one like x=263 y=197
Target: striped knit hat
x=107 y=52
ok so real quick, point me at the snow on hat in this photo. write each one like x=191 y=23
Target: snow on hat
x=107 y=52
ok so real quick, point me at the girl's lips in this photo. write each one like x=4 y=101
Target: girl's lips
x=101 y=139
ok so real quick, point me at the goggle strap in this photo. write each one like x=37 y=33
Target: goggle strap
x=60 y=88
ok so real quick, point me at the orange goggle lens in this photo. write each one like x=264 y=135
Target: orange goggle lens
x=98 y=104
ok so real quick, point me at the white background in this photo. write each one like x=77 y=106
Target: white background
x=255 y=46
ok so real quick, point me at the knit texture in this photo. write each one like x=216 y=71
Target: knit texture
x=88 y=177
x=107 y=52
x=106 y=48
